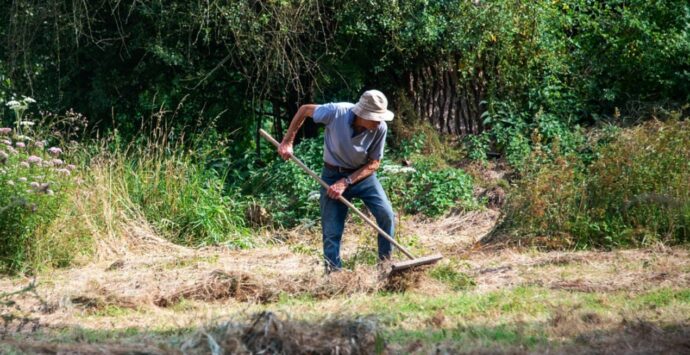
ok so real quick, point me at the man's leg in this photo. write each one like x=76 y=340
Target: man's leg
x=333 y=214
x=374 y=197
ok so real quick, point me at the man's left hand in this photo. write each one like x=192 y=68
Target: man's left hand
x=337 y=189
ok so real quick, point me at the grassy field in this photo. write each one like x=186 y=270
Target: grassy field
x=166 y=299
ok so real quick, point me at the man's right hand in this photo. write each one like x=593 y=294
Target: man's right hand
x=285 y=150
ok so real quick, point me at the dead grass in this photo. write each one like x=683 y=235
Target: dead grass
x=634 y=336
x=157 y=286
x=245 y=287
x=51 y=348
x=586 y=271
x=220 y=285
x=268 y=334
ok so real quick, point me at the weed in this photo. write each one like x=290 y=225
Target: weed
x=449 y=275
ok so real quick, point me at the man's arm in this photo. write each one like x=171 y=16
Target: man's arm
x=285 y=148
x=360 y=174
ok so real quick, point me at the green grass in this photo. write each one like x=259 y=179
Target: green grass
x=511 y=318
x=474 y=336
x=449 y=275
x=662 y=297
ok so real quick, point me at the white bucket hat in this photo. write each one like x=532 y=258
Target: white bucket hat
x=373 y=106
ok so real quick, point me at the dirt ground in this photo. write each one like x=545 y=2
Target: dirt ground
x=176 y=288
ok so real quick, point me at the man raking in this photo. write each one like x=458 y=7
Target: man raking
x=353 y=148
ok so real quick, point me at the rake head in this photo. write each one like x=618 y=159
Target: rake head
x=408 y=264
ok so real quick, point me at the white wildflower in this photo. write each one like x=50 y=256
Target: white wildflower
x=20 y=145
x=62 y=171
x=22 y=179
x=24 y=164
x=397 y=169
x=34 y=184
x=57 y=162
x=26 y=123
x=10 y=182
x=314 y=195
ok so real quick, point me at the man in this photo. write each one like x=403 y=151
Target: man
x=353 y=148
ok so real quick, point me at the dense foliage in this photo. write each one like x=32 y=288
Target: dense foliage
x=291 y=197
x=239 y=63
x=634 y=193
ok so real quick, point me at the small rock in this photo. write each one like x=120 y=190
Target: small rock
x=119 y=264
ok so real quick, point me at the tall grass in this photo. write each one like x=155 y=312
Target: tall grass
x=122 y=197
x=634 y=192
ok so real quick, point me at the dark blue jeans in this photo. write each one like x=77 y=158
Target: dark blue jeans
x=334 y=212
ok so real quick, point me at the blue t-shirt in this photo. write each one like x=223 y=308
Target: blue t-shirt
x=342 y=146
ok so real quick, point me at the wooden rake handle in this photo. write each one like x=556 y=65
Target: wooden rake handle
x=340 y=198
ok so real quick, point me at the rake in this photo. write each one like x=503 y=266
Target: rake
x=396 y=267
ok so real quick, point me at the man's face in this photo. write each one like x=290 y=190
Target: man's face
x=370 y=125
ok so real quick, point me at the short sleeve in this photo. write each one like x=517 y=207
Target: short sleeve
x=376 y=149
x=324 y=113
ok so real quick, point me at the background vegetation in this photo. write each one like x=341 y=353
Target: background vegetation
x=173 y=93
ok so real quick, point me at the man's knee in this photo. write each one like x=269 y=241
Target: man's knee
x=385 y=215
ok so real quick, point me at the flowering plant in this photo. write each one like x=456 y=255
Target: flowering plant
x=33 y=182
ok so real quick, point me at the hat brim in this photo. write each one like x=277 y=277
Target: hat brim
x=373 y=116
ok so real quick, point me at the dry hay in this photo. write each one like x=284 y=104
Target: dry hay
x=455 y=232
x=402 y=281
x=361 y=280
x=244 y=287
x=571 y=322
x=267 y=334
x=220 y=285
x=98 y=298
x=51 y=348
x=582 y=271
x=638 y=336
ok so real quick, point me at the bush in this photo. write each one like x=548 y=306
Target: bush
x=290 y=196
x=427 y=189
x=634 y=192
x=34 y=185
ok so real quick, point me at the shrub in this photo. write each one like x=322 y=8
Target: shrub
x=634 y=192
x=638 y=188
x=291 y=196
x=427 y=189
x=34 y=184
x=288 y=193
